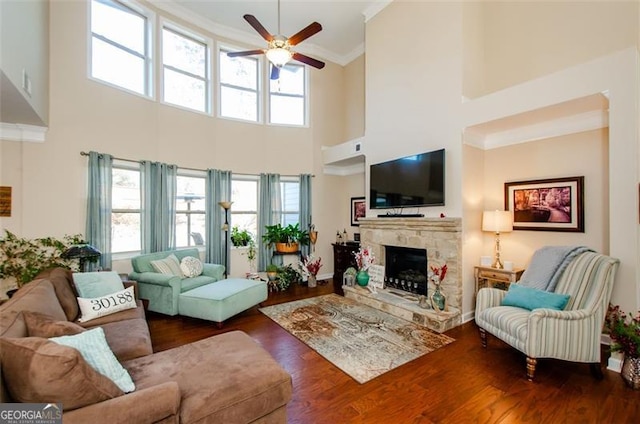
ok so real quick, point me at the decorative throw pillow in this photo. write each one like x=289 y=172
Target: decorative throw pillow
x=169 y=265
x=106 y=305
x=191 y=267
x=97 y=284
x=37 y=370
x=92 y=344
x=530 y=298
x=41 y=325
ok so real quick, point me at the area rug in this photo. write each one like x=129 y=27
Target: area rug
x=362 y=341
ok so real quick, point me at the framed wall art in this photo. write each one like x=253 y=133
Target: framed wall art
x=358 y=210
x=555 y=204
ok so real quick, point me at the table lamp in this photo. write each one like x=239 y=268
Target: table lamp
x=82 y=252
x=497 y=222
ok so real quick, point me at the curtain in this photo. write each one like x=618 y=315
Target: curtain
x=269 y=213
x=158 y=192
x=218 y=189
x=98 y=224
x=305 y=208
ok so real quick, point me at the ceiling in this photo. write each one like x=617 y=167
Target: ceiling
x=343 y=21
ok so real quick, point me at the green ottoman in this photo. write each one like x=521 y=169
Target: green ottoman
x=222 y=299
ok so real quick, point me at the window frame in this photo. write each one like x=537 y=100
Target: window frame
x=198 y=38
x=129 y=167
x=256 y=212
x=305 y=96
x=149 y=43
x=284 y=212
x=224 y=47
x=189 y=213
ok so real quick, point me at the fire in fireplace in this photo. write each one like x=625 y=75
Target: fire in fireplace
x=406 y=269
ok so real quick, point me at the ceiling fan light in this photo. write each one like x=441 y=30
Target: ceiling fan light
x=279 y=56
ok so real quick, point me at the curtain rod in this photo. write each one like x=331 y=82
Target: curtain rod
x=182 y=167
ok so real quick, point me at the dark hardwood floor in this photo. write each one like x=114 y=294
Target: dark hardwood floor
x=459 y=383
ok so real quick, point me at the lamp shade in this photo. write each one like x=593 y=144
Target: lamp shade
x=81 y=251
x=497 y=221
x=225 y=205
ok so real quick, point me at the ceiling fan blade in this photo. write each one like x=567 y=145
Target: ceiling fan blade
x=253 y=21
x=275 y=72
x=311 y=29
x=308 y=60
x=245 y=53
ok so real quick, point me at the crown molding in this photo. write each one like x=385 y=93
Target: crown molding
x=374 y=9
x=22 y=132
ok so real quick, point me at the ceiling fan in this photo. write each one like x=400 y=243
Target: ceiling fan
x=279 y=48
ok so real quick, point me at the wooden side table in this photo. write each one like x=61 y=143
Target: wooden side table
x=493 y=277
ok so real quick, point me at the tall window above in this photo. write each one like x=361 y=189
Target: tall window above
x=239 y=94
x=125 y=213
x=190 y=211
x=287 y=96
x=120 y=46
x=185 y=66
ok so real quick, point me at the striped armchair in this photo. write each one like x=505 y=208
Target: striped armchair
x=572 y=334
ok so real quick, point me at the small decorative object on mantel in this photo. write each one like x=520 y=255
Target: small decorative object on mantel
x=438 y=299
x=624 y=331
x=364 y=259
x=309 y=267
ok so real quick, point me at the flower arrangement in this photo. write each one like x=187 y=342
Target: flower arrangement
x=624 y=331
x=438 y=274
x=364 y=258
x=310 y=266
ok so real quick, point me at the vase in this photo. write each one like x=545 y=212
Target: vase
x=438 y=300
x=362 y=277
x=631 y=372
x=311 y=281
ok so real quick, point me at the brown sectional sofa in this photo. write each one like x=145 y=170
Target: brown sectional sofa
x=226 y=378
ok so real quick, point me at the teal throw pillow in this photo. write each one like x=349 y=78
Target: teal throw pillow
x=530 y=298
x=92 y=345
x=97 y=284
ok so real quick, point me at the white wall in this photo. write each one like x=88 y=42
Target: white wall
x=414 y=88
x=24 y=47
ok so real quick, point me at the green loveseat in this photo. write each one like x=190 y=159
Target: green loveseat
x=162 y=290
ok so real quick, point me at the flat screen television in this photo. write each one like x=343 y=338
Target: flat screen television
x=411 y=181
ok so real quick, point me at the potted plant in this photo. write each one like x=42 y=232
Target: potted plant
x=624 y=331
x=272 y=272
x=286 y=276
x=22 y=259
x=285 y=239
x=240 y=237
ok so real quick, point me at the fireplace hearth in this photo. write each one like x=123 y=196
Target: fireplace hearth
x=406 y=269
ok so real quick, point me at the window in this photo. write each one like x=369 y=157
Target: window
x=239 y=95
x=185 y=66
x=120 y=46
x=290 y=202
x=190 y=212
x=125 y=210
x=244 y=213
x=287 y=96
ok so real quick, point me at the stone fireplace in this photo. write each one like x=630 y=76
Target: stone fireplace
x=440 y=241
x=440 y=237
